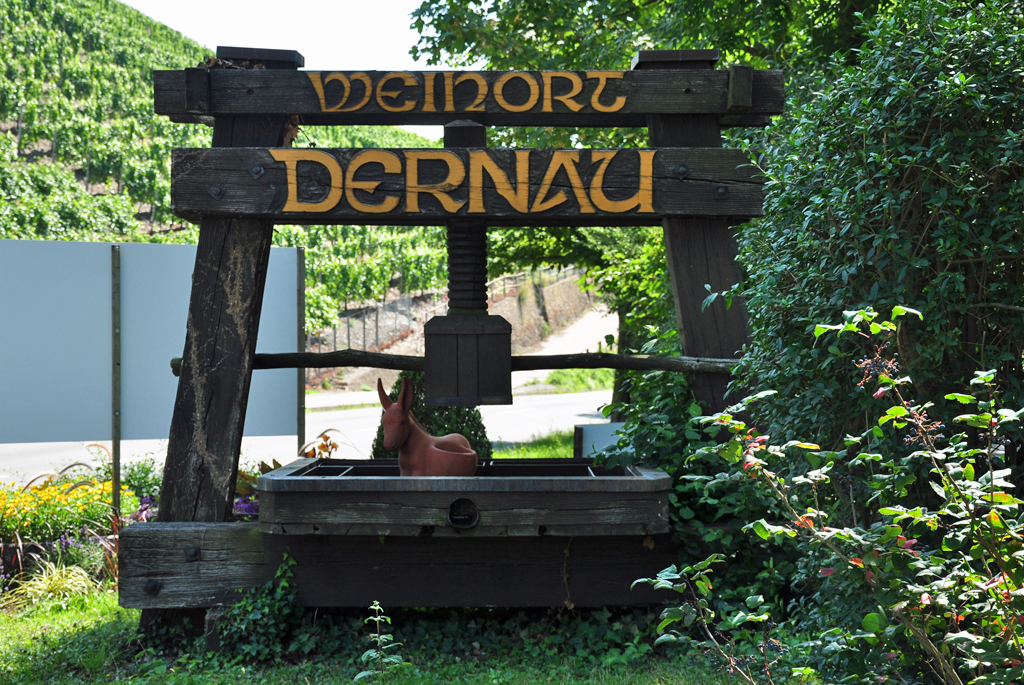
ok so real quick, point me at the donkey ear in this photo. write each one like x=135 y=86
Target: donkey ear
x=405 y=397
x=385 y=401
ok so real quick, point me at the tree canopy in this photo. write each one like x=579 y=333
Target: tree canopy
x=546 y=34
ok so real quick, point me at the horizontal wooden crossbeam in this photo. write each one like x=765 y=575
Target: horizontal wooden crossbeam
x=504 y=187
x=741 y=95
x=400 y=362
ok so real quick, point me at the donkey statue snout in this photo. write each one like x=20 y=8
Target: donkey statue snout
x=419 y=453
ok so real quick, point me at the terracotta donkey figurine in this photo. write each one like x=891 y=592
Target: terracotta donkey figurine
x=419 y=453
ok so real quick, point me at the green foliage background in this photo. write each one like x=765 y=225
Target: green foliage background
x=76 y=109
x=899 y=183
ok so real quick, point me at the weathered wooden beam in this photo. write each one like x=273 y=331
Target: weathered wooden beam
x=492 y=98
x=507 y=497
x=701 y=250
x=533 y=362
x=501 y=186
x=220 y=345
x=626 y=362
x=198 y=565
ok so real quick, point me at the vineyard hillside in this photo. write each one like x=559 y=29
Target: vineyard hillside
x=83 y=157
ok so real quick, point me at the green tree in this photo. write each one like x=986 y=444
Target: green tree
x=900 y=183
x=544 y=34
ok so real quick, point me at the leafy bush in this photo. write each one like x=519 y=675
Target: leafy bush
x=916 y=552
x=437 y=420
x=707 y=514
x=262 y=625
x=900 y=182
x=143 y=477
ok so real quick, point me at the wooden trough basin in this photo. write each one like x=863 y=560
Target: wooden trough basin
x=507 y=497
x=520 y=533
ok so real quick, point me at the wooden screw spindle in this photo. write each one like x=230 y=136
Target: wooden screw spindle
x=467 y=240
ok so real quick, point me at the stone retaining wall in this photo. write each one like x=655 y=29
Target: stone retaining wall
x=536 y=311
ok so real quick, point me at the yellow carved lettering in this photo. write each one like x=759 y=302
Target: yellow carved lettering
x=408 y=79
x=499 y=95
x=365 y=80
x=428 y=91
x=392 y=164
x=481 y=90
x=413 y=187
x=291 y=159
x=567 y=99
x=644 y=199
x=519 y=197
x=562 y=159
x=602 y=79
x=318 y=86
x=449 y=91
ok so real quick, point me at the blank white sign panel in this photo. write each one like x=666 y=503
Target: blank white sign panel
x=40 y=401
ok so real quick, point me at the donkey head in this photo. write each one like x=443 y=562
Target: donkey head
x=396 y=422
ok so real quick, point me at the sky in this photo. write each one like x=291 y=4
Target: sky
x=332 y=35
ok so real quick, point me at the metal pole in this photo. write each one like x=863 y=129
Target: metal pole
x=115 y=417
x=300 y=376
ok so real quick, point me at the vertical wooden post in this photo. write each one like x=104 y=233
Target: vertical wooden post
x=220 y=344
x=220 y=340
x=300 y=373
x=700 y=250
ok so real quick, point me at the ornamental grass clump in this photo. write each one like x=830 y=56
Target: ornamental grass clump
x=50 y=580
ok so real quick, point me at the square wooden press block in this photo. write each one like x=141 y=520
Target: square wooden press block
x=468 y=360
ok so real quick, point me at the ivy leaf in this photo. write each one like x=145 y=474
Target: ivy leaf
x=874 y=623
x=898 y=311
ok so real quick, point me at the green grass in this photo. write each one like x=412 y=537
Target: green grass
x=91 y=640
x=555 y=445
x=581 y=380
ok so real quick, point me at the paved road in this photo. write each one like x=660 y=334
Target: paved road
x=530 y=416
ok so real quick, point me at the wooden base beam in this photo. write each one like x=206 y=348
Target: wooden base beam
x=199 y=565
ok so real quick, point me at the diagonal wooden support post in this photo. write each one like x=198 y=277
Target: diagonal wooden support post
x=220 y=341
x=700 y=250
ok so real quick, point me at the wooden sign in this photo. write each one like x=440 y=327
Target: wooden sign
x=494 y=98
x=505 y=187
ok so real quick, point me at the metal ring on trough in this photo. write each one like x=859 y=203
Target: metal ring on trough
x=463 y=514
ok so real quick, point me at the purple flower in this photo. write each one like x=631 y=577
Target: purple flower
x=246 y=506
